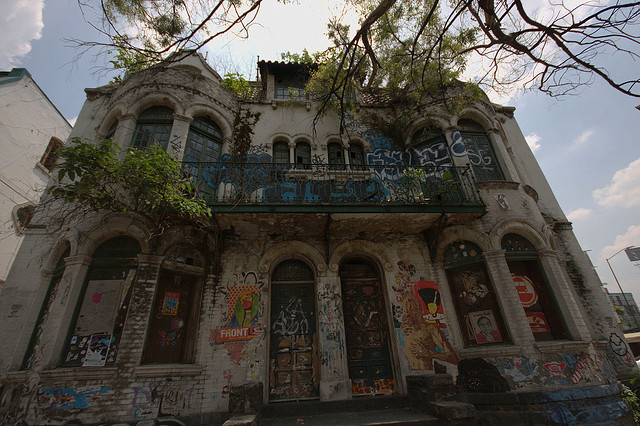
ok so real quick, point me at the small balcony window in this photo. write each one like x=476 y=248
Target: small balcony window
x=481 y=155
x=303 y=155
x=356 y=156
x=336 y=156
x=281 y=153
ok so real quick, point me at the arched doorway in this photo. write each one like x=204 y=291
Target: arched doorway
x=366 y=327
x=293 y=360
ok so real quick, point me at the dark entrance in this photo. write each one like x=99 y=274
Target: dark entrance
x=365 y=320
x=293 y=358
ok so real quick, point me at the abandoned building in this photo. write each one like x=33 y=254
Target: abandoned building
x=341 y=267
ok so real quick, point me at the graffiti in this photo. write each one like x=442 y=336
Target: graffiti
x=478 y=375
x=458 y=148
x=97 y=350
x=473 y=290
x=170 y=303
x=70 y=399
x=619 y=350
x=424 y=341
x=373 y=386
x=160 y=398
x=257 y=149
x=433 y=155
x=558 y=369
x=169 y=338
x=291 y=320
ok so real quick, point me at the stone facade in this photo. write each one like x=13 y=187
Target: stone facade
x=316 y=283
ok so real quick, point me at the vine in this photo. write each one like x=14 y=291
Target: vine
x=243 y=125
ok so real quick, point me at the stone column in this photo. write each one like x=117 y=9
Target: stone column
x=515 y=319
x=448 y=306
x=179 y=134
x=124 y=133
x=332 y=344
x=292 y=152
x=135 y=326
x=62 y=310
x=503 y=158
x=563 y=295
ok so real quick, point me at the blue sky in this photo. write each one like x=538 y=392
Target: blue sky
x=587 y=144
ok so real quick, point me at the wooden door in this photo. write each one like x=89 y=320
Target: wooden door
x=365 y=320
x=293 y=342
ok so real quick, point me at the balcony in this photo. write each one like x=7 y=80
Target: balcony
x=277 y=187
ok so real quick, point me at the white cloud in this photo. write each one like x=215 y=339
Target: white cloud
x=630 y=238
x=624 y=189
x=21 y=22
x=583 y=138
x=578 y=214
x=534 y=141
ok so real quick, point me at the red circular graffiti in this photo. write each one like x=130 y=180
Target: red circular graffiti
x=526 y=290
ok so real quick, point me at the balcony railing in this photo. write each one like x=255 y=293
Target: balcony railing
x=335 y=187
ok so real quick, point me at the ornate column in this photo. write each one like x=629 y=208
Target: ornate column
x=62 y=310
x=514 y=316
x=124 y=133
x=332 y=344
x=179 y=134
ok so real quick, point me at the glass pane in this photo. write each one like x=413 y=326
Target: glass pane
x=281 y=152
x=303 y=154
x=514 y=243
x=292 y=270
x=482 y=158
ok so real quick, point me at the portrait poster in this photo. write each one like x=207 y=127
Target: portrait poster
x=484 y=326
x=97 y=350
x=170 y=303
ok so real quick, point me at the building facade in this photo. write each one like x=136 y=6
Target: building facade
x=630 y=318
x=339 y=266
x=31 y=128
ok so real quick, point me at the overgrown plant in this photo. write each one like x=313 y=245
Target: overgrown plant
x=147 y=182
x=631 y=399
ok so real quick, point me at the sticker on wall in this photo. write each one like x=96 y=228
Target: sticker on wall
x=242 y=316
x=485 y=329
x=526 y=290
x=502 y=201
x=473 y=290
x=97 y=350
x=170 y=303
x=538 y=322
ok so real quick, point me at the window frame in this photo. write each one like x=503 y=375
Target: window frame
x=305 y=157
x=142 y=139
x=355 y=162
x=473 y=135
x=335 y=151
x=279 y=148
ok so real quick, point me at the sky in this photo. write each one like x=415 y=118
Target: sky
x=588 y=144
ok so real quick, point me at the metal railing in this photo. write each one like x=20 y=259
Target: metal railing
x=333 y=184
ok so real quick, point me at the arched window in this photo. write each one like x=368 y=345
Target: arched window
x=50 y=157
x=476 y=305
x=95 y=336
x=38 y=331
x=336 y=156
x=356 y=156
x=430 y=148
x=303 y=155
x=481 y=155
x=171 y=336
x=204 y=142
x=533 y=288
x=153 y=127
x=281 y=153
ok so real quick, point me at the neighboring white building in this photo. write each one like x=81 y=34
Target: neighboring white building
x=31 y=127
x=338 y=267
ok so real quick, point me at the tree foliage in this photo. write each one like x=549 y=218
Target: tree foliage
x=100 y=178
x=554 y=47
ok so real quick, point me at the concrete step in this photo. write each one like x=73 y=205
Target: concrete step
x=299 y=408
x=390 y=416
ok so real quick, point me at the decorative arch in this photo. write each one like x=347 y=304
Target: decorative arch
x=520 y=227
x=460 y=232
x=217 y=115
x=438 y=121
x=113 y=115
x=204 y=242
x=477 y=115
x=57 y=250
x=156 y=98
x=277 y=137
x=116 y=224
x=360 y=248
x=292 y=250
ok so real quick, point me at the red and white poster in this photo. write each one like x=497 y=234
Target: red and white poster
x=538 y=322
x=526 y=290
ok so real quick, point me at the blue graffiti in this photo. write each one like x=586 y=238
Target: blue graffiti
x=458 y=147
x=67 y=398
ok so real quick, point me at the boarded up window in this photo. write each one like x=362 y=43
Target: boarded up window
x=533 y=289
x=174 y=317
x=95 y=336
x=478 y=311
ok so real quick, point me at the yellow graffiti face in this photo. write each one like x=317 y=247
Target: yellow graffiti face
x=432 y=308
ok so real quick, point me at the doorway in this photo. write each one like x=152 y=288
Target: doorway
x=369 y=361
x=293 y=361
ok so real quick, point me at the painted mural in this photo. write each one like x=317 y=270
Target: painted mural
x=420 y=322
x=66 y=398
x=157 y=398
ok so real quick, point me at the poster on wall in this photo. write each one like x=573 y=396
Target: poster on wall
x=526 y=290
x=485 y=329
x=170 y=303
x=538 y=322
x=97 y=350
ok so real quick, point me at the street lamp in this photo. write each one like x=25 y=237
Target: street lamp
x=620 y=287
